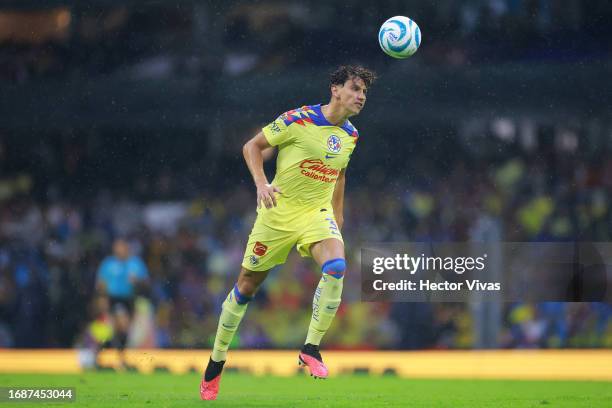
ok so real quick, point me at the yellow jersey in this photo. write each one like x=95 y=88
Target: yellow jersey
x=311 y=153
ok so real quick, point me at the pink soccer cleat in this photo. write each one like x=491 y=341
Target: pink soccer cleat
x=311 y=358
x=210 y=389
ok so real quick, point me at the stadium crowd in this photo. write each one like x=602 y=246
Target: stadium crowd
x=53 y=238
x=186 y=209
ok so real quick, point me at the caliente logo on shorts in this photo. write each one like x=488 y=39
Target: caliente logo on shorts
x=334 y=144
x=259 y=249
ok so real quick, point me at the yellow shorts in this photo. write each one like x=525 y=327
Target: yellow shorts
x=270 y=240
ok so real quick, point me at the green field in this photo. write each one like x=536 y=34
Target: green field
x=108 y=389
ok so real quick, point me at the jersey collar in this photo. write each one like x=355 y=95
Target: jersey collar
x=321 y=120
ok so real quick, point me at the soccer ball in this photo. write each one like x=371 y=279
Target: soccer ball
x=399 y=37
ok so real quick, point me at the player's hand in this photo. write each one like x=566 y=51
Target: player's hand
x=265 y=195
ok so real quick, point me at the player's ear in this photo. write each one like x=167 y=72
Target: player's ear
x=334 y=90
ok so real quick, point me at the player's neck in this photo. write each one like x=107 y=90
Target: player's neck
x=334 y=114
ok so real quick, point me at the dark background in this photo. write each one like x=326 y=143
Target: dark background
x=127 y=118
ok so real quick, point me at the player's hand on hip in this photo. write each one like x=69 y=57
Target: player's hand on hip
x=265 y=195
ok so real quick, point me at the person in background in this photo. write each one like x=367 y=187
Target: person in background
x=120 y=277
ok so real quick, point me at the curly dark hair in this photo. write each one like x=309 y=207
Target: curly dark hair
x=345 y=72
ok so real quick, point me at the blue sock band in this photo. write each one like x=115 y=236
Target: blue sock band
x=334 y=267
x=240 y=298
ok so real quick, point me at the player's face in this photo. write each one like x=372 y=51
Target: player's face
x=352 y=95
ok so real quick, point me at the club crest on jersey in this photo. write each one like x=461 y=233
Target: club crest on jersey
x=334 y=144
x=259 y=249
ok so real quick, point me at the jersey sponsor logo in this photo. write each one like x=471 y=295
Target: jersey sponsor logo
x=259 y=249
x=318 y=170
x=334 y=144
x=274 y=127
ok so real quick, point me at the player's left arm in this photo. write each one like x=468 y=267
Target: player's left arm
x=338 y=198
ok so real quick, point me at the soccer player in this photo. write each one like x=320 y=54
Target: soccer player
x=301 y=207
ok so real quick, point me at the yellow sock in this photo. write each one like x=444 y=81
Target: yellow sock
x=233 y=309
x=324 y=306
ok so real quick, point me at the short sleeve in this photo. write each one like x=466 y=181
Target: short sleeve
x=138 y=268
x=345 y=165
x=278 y=131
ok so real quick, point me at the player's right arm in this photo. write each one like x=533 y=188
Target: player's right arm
x=253 y=155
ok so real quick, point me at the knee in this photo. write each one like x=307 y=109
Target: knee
x=335 y=268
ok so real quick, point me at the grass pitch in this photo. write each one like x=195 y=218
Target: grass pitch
x=106 y=389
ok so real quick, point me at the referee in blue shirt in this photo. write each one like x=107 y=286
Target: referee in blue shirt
x=119 y=275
